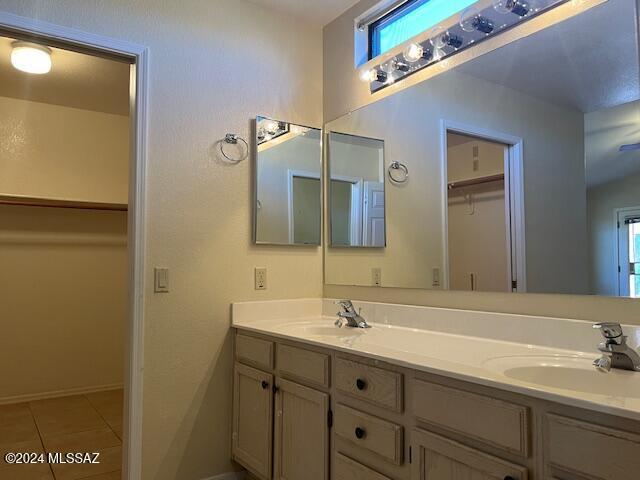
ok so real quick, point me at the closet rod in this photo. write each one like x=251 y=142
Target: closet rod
x=60 y=203
x=476 y=181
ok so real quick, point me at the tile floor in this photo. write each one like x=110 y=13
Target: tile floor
x=80 y=423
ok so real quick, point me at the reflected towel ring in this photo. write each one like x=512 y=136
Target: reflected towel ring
x=232 y=139
x=400 y=178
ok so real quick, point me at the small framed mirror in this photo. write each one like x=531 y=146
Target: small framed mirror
x=288 y=183
x=356 y=191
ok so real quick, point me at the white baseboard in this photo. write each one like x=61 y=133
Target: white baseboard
x=59 y=393
x=229 y=476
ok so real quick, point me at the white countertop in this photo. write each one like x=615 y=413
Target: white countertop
x=563 y=375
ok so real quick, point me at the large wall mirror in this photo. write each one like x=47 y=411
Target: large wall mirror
x=288 y=183
x=524 y=167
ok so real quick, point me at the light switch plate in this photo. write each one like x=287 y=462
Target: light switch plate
x=260 y=278
x=161 y=280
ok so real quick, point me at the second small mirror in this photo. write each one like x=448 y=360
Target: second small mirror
x=356 y=191
x=288 y=197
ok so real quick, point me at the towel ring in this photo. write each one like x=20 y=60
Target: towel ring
x=398 y=167
x=232 y=139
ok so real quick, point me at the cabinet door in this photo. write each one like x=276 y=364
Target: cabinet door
x=438 y=458
x=252 y=444
x=301 y=433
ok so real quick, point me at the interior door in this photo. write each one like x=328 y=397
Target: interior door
x=438 y=458
x=373 y=228
x=252 y=444
x=301 y=433
x=629 y=253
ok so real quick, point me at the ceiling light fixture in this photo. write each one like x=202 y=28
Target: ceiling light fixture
x=31 y=57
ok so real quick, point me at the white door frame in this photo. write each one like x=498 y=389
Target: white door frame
x=617 y=214
x=514 y=192
x=290 y=175
x=132 y=448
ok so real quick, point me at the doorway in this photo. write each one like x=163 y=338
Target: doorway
x=73 y=40
x=628 y=251
x=483 y=209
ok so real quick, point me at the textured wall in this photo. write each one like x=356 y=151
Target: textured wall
x=52 y=151
x=213 y=65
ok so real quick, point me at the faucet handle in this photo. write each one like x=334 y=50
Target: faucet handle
x=612 y=331
x=346 y=304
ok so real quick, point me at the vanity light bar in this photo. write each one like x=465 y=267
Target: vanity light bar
x=474 y=26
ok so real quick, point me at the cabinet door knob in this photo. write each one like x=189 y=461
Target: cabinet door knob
x=361 y=384
x=360 y=433
x=264 y=384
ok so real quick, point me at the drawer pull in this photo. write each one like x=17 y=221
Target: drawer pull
x=264 y=384
x=360 y=433
x=361 y=384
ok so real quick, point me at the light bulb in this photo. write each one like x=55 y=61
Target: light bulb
x=373 y=75
x=437 y=40
x=413 y=53
x=31 y=57
x=468 y=19
x=443 y=38
x=390 y=66
x=271 y=127
x=368 y=75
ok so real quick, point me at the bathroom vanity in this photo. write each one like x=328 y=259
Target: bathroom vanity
x=398 y=401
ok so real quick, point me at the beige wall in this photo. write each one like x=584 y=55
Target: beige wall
x=52 y=151
x=343 y=93
x=63 y=297
x=214 y=65
x=410 y=124
x=603 y=200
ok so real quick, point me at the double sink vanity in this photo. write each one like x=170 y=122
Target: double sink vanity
x=428 y=393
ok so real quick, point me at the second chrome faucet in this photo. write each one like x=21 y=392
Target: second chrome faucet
x=616 y=352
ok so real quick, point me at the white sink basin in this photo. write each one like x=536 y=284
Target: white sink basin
x=575 y=373
x=323 y=330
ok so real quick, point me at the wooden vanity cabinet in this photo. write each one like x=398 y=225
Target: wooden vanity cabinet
x=294 y=418
x=438 y=458
x=253 y=419
x=280 y=426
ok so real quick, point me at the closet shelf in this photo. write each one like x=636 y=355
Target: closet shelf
x=60 y=203
x=476 y=181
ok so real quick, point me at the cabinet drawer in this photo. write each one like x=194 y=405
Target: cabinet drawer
x=592 y=451
x=347 y=469
x=495 y=422
x=438 y=458
x=254 y=351
x=372 y=384
x=304 y=365
x=379 y=436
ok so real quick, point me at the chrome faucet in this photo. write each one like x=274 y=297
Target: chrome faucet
x=349 y=314
x=617 y=354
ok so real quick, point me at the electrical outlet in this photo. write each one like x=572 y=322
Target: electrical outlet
x=435 y=277
x=376 y=277
x=261 y=278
